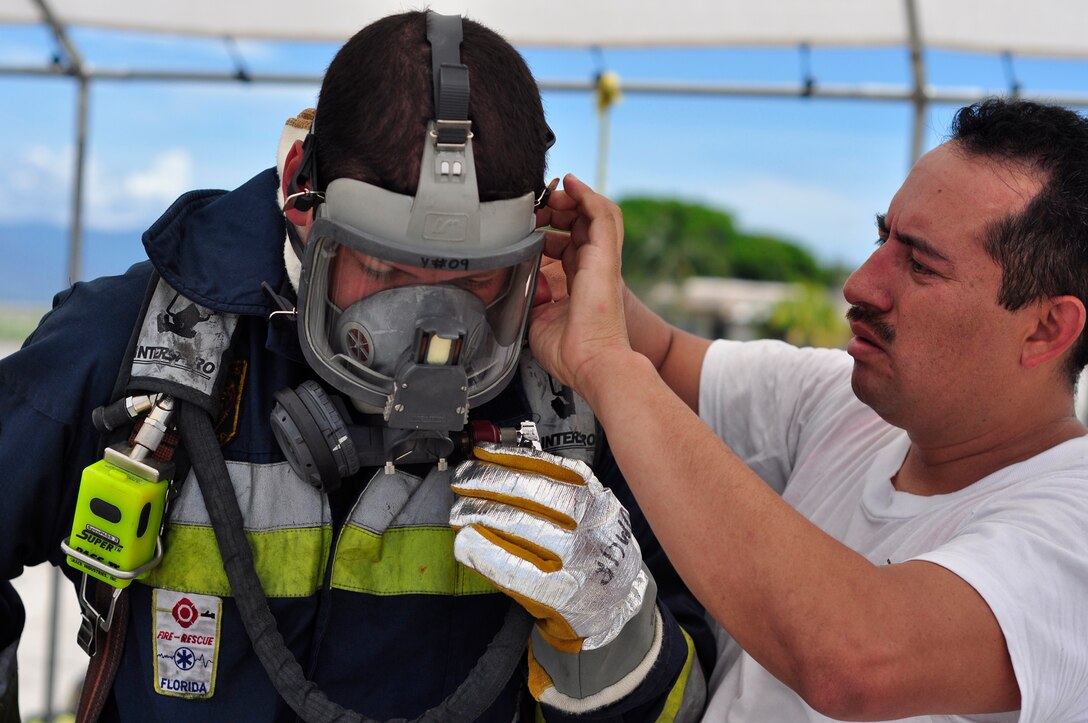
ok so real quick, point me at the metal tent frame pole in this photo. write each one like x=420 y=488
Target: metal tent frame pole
x=918 y=71
x=75 y=67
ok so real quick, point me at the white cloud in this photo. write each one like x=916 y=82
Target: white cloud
x=113 y=199
x=169 y=176
x=41 y=181
x=138 y=197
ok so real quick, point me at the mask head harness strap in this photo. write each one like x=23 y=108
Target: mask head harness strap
x=451 y=86
x=451 y=91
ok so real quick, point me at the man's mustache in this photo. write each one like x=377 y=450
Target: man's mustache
x=873 y=319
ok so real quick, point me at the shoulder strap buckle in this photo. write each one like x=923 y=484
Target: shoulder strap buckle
x=92 y=619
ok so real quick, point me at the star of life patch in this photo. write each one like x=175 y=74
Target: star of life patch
x=186 y=640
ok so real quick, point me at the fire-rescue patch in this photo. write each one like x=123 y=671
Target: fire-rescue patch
x=186 y=635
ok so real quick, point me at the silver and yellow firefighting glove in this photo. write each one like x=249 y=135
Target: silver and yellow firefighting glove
x=545 y=531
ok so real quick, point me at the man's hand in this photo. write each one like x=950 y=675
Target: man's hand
x=544 y=530
x=585 y=321
x=573 y=336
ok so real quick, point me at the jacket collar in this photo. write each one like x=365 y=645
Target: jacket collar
x=216 y=247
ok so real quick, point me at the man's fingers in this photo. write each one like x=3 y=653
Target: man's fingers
x=560 y=201
x=560 y=247
x=576 y=199
x=597 y=208
x=598 y=221
x=559 y=213
x=574 y=212
x=551 y=283
x=555 y=243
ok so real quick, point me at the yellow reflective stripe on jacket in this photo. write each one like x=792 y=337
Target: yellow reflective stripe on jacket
x=407 y=549
x=674 y=703
x=404 y=560
x=289 y=562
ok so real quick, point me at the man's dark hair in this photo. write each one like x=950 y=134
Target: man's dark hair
x=377 y=97
x=1043 y=250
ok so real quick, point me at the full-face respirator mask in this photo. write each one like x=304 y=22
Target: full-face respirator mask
x=412 y=307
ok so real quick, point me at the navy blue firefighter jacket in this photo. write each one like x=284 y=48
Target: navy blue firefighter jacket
x=380 y=616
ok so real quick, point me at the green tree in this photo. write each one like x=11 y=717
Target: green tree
x=669 y=240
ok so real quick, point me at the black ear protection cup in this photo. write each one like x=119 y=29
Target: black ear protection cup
x=313 y=436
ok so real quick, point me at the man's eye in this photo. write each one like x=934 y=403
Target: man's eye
x=917 y=267
x=480 y=281
x=376 y=273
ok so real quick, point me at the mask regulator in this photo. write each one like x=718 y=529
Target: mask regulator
x=323 y=448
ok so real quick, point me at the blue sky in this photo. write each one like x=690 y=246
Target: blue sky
x=810 y=170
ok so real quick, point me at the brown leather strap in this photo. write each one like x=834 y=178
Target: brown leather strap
x=107 y=659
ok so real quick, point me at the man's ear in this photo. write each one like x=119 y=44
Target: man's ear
x=1059 y=323
x=290 y=167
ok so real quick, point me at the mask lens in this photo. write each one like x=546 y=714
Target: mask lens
x=355 y=275
x=369 y=313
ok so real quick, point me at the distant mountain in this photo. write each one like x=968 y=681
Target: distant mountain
x=34 y=259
